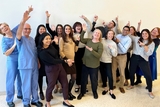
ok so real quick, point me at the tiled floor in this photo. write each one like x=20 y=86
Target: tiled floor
x=137 y=97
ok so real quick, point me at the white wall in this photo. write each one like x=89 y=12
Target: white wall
x=68 y=11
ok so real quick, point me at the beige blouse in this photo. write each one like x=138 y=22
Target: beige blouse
x=67 y=49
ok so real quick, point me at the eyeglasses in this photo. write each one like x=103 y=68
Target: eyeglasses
x=27 y=28
x=125 y=30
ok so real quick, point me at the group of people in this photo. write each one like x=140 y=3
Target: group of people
x=79 y=51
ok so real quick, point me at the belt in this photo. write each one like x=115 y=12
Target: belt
x=121 y=54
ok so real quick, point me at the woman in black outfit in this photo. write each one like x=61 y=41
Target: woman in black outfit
x=53 y=67
x=56 y=34
x=40 y=29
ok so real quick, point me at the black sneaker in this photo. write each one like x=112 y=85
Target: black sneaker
x=19 y=97
x=38 y=104
x=10 y=104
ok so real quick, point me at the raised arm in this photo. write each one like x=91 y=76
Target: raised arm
x=116 y=29
x=52 y=32
x=94 y=23
x=89 y=24
x=139 y=25
x=24 y=19
x=82 y=39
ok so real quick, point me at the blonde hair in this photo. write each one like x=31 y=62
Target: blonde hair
x=100 y=38
x=1 y=30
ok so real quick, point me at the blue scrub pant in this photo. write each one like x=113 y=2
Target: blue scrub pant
x=12 y=72
x=29 y=79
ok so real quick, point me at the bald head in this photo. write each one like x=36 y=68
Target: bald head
x=26 y=29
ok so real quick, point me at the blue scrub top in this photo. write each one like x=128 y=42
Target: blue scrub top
x=7 y=43
x=27 y=58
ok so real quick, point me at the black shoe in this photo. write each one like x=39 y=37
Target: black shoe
x=146 y=87
x=80 y=96
x=137 y=82
x=104 y=92
x=95 y=95
x=19 y=97
x=10 y=104
x=28 y=105
x=38 y=104
x=112 y=95
x=65 y=104
x=72 y=95
x=41 y=95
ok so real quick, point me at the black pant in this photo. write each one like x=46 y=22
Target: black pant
x=107 y=71
x=138 y=61
x=40 y=83
x=93 y=72
x=78 y=62
x=127 y=66
x=103 y=74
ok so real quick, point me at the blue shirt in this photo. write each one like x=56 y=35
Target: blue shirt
x=27 y=58
x=124 y=44
x=7 y=43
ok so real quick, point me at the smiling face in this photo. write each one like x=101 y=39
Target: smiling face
x=26 y=30
x=110 y=35
x=78 y=28
x=125 y=31
x=4 y=28
x=155 y=32
x=145 y=35
x=132 y=31
x=97 y=34
x=42 y=30
x=46 y=41
x=67 y=30
x=110 y=25
x=59 y=30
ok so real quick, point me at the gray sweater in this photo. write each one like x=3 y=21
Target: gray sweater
x=109 y=50
x=140 y=50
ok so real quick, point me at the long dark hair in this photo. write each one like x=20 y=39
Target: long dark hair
x=57 y=28
x=70 y=35
x=40 y=41
x=77 y=24
x=149 y=37
x=38 y=34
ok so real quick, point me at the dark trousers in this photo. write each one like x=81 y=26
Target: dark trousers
x=54 y=73
x=40 y=83
x=103 y=74
x=93 y=72
x=127 y=66
x=78 y=62
x=138 y=61
x=106 y=68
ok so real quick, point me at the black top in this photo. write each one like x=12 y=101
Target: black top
x=53 y=33
x=101 y=28
x=156 y=42
x=49 y=56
